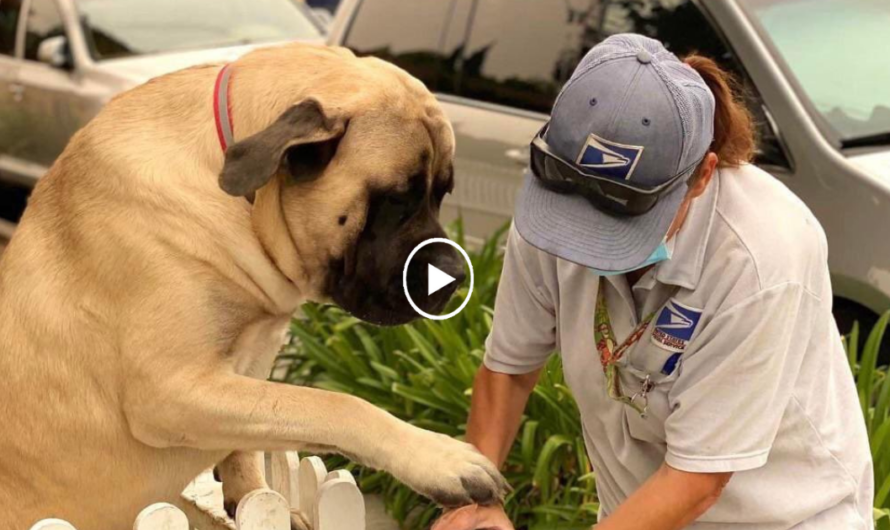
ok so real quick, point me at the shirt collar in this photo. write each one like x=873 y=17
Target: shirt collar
x=684 y=269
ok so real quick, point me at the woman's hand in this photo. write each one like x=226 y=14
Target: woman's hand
x=475 y=517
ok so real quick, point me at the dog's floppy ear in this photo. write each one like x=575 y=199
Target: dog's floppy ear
x=302 y=141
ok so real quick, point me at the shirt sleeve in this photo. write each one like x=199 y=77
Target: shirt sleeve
x=736 y=382
x=523 y=333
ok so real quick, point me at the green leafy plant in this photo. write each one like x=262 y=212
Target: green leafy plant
x=882 y=519
x=423 y=373
x=873 y=386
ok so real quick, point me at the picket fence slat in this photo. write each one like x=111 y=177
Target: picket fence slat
x=52 y=524
x=340 y=504
x=283 y=476
x=329 y=501
x=340 y=474
x=263 y=510
x=312 y=475
x=161 y=516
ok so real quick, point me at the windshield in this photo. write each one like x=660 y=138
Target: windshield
x=839 y=52
x=120 y=28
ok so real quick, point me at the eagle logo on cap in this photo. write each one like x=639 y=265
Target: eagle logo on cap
x=609 y=158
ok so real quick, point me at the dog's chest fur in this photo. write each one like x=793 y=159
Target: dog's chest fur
x=254 y=350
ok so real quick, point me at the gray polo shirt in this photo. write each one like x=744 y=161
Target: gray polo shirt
x=761 y=386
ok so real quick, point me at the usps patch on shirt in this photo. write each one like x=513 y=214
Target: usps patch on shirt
x=609 y=158
x=675 y=325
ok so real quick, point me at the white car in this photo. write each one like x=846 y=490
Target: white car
x=62 y=60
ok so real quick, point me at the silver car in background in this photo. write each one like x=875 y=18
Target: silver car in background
x=62 y=60
x=816 y=73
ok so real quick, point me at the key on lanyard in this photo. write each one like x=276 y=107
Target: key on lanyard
x=643 y=395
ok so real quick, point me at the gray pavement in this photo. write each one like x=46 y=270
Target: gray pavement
x=376 y=515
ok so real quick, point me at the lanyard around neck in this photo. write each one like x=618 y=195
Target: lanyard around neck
x=605 y=337
x=610 y=354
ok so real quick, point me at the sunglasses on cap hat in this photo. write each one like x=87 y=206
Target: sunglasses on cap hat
x=561 y=176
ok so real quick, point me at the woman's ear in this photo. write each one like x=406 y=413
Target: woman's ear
x=705 y=174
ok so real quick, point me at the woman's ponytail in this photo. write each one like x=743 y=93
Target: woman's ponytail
x=733 y=124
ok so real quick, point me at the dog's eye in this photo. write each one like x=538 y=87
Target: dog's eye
x=397 y=200
x=401 y=207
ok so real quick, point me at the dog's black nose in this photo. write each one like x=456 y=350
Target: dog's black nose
x=451 y=263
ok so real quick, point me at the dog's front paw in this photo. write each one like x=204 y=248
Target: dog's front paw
x=450 y=472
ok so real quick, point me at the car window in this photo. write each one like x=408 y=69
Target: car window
x=9 y=18
x=520 y=52
x=523 y=59
x=421 y=36
x=44 y=21
x=121 y=28
x=839 y=53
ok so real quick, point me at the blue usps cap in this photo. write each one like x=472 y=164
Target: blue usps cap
x=632 y=112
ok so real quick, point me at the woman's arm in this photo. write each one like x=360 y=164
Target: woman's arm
x=496 y=411
x=495 y=414
x=669 y=500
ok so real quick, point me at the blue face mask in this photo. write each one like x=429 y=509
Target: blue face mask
x=661 y=253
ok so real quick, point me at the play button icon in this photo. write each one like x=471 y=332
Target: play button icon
x=436 y=279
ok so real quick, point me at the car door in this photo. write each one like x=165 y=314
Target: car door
x=50 y=94
x=12 y=196
x=850 y=204
x=10 y=89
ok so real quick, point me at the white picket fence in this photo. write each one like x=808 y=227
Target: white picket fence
x=330 y=501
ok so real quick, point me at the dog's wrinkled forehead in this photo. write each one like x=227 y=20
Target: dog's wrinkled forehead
x=390 y=149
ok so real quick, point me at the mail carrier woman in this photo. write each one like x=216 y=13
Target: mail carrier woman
x=688 y=294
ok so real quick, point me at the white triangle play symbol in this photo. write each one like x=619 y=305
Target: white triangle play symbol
x=437 y=279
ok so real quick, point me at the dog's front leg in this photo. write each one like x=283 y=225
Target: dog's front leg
x=220 y=411
x=240 y=473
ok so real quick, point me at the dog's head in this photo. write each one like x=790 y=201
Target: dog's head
x=348 y=179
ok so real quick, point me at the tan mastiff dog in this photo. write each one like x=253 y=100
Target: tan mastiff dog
x=149 y=286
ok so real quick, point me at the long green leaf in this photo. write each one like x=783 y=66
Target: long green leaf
x=528 y=444
x=543 y=468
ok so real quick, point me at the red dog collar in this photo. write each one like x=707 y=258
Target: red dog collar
x=222 y=108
